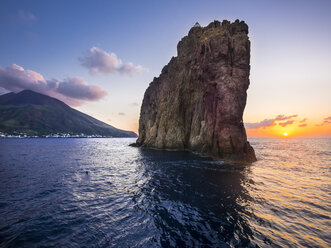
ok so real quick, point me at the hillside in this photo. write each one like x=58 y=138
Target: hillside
x=39 y=115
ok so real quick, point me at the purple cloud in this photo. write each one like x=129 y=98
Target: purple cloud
x=26 y=16
x=121 y=113
x=326 y=121
x=73 y=91
x=303 y=125
x=271 y=122
x=265 y=123
x=303 y=120
x=15 y=78
x=98 y=61
x=3 y=91
x=79 y=89
x=130 y=69
x=286 y=123
x=284 y=117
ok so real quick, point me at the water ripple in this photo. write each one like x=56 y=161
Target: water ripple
x=134 y=197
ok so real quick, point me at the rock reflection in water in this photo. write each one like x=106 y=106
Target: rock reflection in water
x=194 y=201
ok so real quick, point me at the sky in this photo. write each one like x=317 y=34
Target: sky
x=100 y=56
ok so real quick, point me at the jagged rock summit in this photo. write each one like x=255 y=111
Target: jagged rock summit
x=197 y=102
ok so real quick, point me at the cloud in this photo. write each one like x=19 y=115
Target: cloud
x=284 y=117
x=271 y=122
x=134 y=104
x=265 y=123
x=130 y=69
x=121 y=113
x=286 y=123
x=303 y=120
x=98 y=61
x=303 y=125
x=79 y=89
x=326 y=121
x=26 y=16
x=74 y=91
x=3 y=91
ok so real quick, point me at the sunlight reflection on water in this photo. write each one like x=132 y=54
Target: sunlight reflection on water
x=134 y=197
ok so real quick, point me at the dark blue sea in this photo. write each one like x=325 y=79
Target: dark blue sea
x=103 y=193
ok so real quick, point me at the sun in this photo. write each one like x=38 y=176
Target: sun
x=285 y=134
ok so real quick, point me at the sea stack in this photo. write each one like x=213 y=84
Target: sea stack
x=197 y=102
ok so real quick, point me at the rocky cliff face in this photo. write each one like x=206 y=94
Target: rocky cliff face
x=197 y=102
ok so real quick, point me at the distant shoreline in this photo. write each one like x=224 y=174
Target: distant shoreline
x=57 y=135
x=73 y=137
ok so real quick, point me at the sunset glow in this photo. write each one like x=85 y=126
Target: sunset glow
x=106 y=74
x=165 y=123
x=294 y=125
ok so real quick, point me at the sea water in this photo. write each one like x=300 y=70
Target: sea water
x=103 y=193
